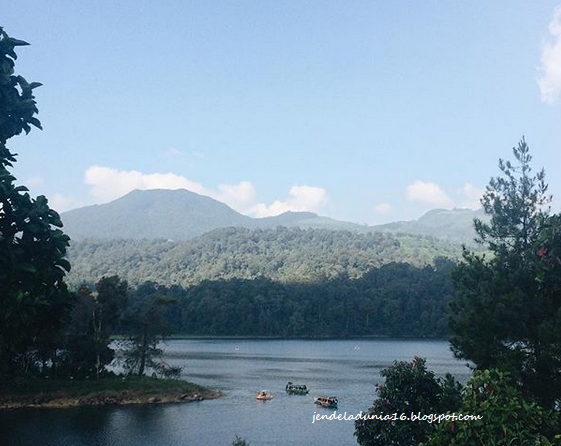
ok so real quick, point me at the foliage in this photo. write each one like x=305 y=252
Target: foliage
x=394 y=300
x=94 y=317
x=86 y=348
x=517 y=205
x=239 y=441
x=508 y=313
x=34 y=300
x=281 y=254
x=17 y=102
x=146 y=327
x=409 y=388
x=112 y=299
x=506 y=418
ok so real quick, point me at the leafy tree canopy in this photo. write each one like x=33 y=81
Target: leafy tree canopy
x=33 y=297
x=409 y=388
x=506 y=417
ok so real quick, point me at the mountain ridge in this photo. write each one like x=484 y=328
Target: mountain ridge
x=183 y=215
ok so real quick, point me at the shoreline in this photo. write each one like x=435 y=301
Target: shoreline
x=301 y=338
x=63 y=394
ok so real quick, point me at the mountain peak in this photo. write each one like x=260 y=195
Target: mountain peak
x=152 y=214
x=173 y=214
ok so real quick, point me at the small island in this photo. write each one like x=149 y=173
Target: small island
x=44 y=393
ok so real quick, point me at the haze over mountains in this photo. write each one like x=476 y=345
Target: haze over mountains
x=183 y=215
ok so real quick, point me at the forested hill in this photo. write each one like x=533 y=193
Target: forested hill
x=393 y=300
x=280 y=254
x=455 y=225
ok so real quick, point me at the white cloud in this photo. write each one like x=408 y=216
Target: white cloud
x=549 y=81
x=383 y=208
x=302 y=199
x=239 y=196
x=107 y=184
x=432 y=195
x=471 y=196
x=62 y=203
x=428 y=193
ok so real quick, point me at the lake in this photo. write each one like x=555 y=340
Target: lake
x=348 y=369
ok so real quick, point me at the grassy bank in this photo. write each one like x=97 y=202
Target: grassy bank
x=107 y=391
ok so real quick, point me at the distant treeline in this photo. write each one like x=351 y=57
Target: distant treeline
x=280 y=254
x=394 y=300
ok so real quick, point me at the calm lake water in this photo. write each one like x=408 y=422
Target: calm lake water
x=348 y=369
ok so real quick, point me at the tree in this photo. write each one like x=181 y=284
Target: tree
x=34 y=300
x=518 y=205
x=508 y=312
x=95 y=316
x=110 y=303
x=112 y=299
x=86 y=348
x=146 y=327
x=505 y=417
x=409 y=388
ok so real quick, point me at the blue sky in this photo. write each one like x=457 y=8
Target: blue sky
x=364 y=111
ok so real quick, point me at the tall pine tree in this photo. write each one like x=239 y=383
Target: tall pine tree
x=508 y=308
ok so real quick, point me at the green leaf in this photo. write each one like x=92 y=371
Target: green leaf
x=36 y=123
x=17 y=42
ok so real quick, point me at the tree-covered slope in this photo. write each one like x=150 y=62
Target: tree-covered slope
x=281 y=254
x=394 y=300
x=455 y=225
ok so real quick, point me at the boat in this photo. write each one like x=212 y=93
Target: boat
x=327 y=401
x=264 y=395
x=296 y=389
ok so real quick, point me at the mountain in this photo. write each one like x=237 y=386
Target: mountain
x=176 y=215
x=183 y=215
x=281 y=254
x=454 y=225
x=152 y=214
x=179 y=237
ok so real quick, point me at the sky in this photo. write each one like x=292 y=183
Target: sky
x=366 y=111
